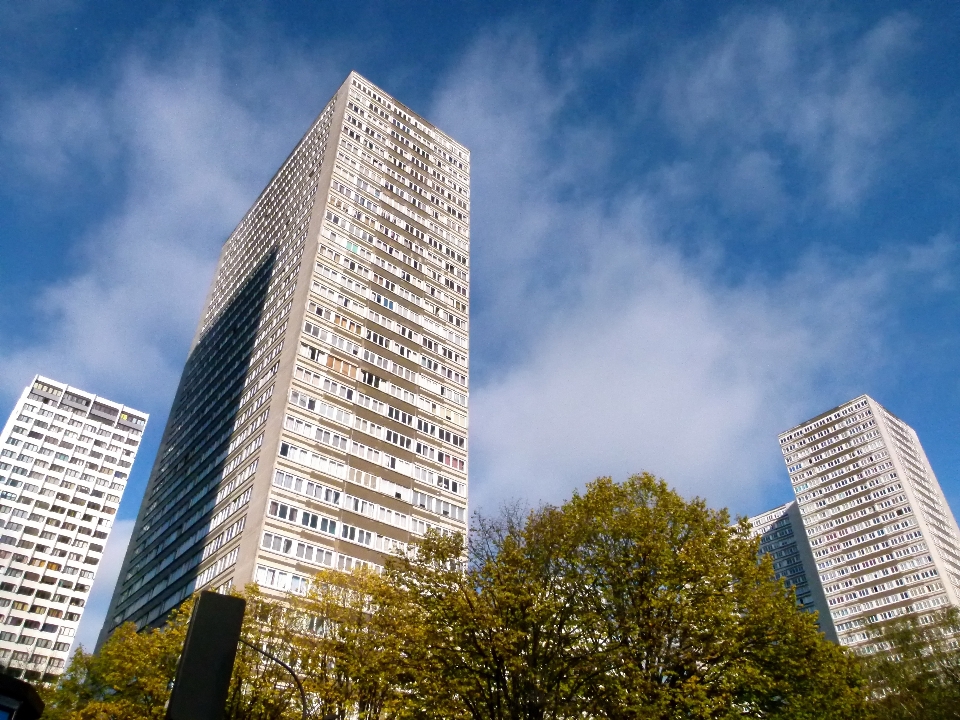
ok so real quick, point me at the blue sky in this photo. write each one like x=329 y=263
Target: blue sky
x=694 y=225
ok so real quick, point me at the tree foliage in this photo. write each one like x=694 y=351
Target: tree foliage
x=694 y=625
x=626 y=602
x=916 y=671
x=340 y=639
x=130 y=678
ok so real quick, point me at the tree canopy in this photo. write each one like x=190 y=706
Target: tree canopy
x=129 y=679
x=626 y=602
x=916 y=673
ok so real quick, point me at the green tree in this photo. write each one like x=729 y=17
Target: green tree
x=504 y=636
x=343 y=639
x=625 y=602
x=131 y=677
x=260 y=689
x=694 y=626
x=916 y=670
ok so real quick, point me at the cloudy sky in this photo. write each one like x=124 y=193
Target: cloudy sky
x=694 y=225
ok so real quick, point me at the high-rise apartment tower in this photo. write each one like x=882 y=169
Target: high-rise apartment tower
x=64 y=462
x=321 y=418
x=883 y=539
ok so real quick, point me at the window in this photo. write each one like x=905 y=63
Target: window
x=378 y=339
x=398 y=439
x=321 y=434
x=451 y=438
x=310 y=520
x=311 y=459
x=335 y=318
x=281 y=580
x=400 y=416
x=357 y=535
x=439 y=506
x=311 y=553
x=343 y=367
x=276 y=543
x=284 y=512
x=360 y=506
x=321 y=408
x=370 y=403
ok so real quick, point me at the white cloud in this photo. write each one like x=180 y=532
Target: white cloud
x=95 y=611
x=823 y=98
x=754 y=185
x=183 y=147
x=936 y=260
x=500 y=105
x=186 y=145
x=660 y=369
x=599 y=346
x=54 y=134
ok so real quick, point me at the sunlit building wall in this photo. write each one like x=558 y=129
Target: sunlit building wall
x=65 y=456
x=883 y=539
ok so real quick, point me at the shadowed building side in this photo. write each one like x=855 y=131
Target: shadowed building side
x=782 y=538
x=181 y=493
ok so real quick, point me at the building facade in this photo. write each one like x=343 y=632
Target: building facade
x=783 y=539
x=321 y=418
x=65 y=456
x=883 y=539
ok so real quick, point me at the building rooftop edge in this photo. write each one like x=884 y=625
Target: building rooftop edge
x=784 y=506
x=824 y=414
x=406 y=108
x=72 y=388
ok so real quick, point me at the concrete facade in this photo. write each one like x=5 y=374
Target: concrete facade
x=883 y=539
x=65 y=456
x=321 y=419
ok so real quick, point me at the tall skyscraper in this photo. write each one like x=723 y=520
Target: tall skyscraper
x=321 y=418
x=783 y=539
x=64 y=462
x=883 y=539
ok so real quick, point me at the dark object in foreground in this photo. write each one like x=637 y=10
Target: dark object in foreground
x=203 y=674
x=18 y=700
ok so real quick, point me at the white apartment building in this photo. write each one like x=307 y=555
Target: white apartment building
x=883 y=539
x=321 y=418
x=783 y=539
x=65 y=456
